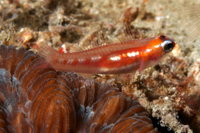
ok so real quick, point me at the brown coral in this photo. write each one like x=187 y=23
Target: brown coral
x=36 y=98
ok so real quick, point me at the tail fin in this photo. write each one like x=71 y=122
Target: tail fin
x=46 y=51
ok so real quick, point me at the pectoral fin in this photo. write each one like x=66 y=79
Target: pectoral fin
x=141 y=65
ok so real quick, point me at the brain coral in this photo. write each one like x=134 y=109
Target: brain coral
x=37 y=98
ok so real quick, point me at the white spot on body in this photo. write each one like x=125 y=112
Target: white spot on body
x=95 y=58
x=60 y=60
x=157 y=46
x=64 y=48
x=81 y=60
x=70 y=61
x=148 y=50
x=132 y=54
x=115 y=58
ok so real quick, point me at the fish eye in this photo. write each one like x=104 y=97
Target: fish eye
x=167 y=45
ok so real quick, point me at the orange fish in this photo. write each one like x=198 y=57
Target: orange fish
x=116 y=58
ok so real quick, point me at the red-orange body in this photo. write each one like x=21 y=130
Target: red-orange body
x=123 y=57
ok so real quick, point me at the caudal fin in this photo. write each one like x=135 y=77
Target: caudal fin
x=46 y=51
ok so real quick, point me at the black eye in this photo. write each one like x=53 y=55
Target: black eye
x=168 y=45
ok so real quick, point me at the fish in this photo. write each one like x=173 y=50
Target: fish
x=116 y=58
